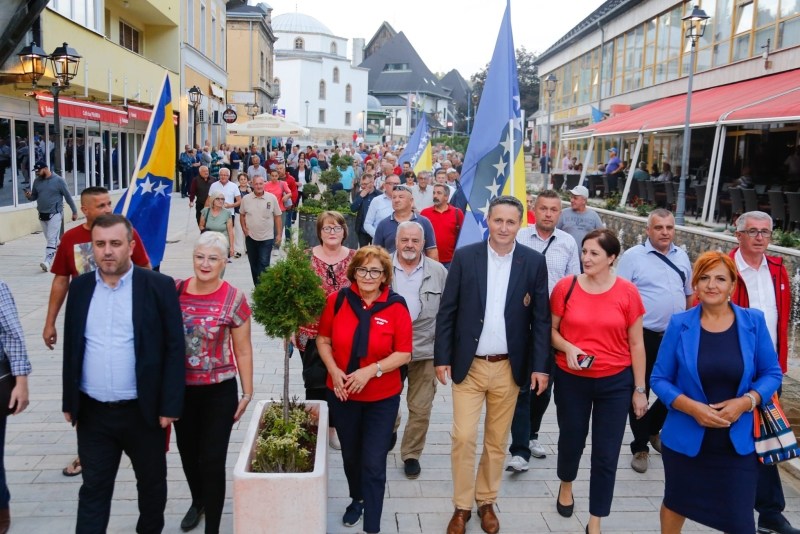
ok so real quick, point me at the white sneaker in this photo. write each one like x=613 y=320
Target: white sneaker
x=537 y=450
x=518 y=464
x=45 y=265
x=333 y=439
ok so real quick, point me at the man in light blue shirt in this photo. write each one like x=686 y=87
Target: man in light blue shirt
x=662 y=273
x=381 y=207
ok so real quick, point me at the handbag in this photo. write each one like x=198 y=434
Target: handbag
x=774 y=439
x=7 y=383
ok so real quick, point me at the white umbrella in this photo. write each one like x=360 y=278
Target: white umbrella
x=267 y=125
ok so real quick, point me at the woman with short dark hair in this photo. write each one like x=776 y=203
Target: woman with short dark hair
x=600 y=366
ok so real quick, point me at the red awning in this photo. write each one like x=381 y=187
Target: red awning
x=137 y=113
x=78 y=109
x=765 y=99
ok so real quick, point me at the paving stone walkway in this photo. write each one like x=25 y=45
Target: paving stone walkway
x=40 y=443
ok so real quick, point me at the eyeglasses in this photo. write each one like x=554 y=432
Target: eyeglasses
x=374 y=274
x=212 y=260
x=402 y=188
x=753 y=233
x=331 y=229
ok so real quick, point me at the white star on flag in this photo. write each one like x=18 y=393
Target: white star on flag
x=500 y=166
x=493 y=188
x=508 y=144
x=147 y=186
x=160 y=189
x=485 y=209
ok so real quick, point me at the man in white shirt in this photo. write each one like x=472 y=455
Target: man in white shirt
x=381 y=207
x=422 y=191
x=233 y=197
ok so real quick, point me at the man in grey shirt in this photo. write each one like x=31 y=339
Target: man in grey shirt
x=578 y=220
x=50 y=191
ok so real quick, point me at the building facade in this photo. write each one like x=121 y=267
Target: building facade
x=126 y=48
x=320 y=88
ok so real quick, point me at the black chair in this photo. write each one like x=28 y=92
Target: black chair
x=750 y=199
x=737 y=202
x=671 y=195
x=700 y=193
x=650 y=192
x=558 y=181
x=793 y=200
x=777 y=209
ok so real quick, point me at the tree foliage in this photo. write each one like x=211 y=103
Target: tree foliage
x=528 y=81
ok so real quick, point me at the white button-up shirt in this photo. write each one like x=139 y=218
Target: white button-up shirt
x=761 y=292
x=493 y=336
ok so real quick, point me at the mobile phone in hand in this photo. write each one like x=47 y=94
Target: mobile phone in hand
x=585 y=361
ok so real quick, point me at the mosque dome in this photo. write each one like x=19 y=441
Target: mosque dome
x=299 y=23
x=373 y=104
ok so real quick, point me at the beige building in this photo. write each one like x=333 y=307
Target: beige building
x=203 y=62
x=250 y=62
x=126 y=47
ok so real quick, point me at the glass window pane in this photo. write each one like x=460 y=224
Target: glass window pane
x=767 y=12
x=675 y=33
x=23 y=157
x=741 y=47
x=703 y=59
x=722 y=21
x=744 y=18
x=115 y=161
x=6 y=171
x=80 y=158
x=721 y=54
x=672 y=69
x=789 y=33
x=789 y=8
x=95 y=158
x=69 y=158
x=759 y=46
x=40 y=147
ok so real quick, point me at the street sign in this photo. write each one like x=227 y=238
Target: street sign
x=229 y=116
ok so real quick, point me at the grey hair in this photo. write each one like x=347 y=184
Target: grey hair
x=213 y=240
x=660 y=213
x=225 y=170
x=741 y=222
x=411 y=224
x=424 y=174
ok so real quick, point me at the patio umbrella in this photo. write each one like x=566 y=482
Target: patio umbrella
x=267 y=125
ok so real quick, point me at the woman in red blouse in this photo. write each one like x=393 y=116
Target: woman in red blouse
x=600 y=367
x=329 y=260
x=364 y=338
x=216 y=323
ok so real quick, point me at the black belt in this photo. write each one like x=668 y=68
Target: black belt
x=659 y=334
x=112 y=404
x=493 y=357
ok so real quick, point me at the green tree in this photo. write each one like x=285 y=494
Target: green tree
x=528 y=81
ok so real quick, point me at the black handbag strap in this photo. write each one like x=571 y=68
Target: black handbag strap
x=569 y=293
x=672 y=265
x=550 y=242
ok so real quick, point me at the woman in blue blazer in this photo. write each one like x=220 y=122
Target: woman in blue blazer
x=716 y=363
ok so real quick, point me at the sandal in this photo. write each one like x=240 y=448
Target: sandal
x=73 y=469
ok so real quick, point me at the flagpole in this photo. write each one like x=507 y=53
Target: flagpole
x=511 y=157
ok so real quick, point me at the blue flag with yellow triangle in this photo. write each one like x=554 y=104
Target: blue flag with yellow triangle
x=418 y=149
x=146 y=202
x=494 y=163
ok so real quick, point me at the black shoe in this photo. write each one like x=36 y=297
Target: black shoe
x=353 y=513
x=777 y=528
x=563 y=509
x=412 y=468
x=192 y=518
x=394 y=441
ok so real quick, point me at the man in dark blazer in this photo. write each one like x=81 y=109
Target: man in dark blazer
x=124 y=376
x=492 y=338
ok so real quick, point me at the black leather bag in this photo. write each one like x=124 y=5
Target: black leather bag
x=7 y=383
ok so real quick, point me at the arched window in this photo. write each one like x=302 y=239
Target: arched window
x=276 y=82
x=299 y=44
x=348 y=93
x=333 y=48
x=335 y=74
x=322 y=89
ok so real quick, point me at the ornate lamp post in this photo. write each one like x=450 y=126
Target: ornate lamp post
x=695 y=24
x=252 y=111
x=550 y=84
x=195 y=97
x=65 y=61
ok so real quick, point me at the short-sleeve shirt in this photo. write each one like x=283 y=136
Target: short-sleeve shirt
x=207 y=323
x=446 y=226
x=613 y=164
x=74 y=255
x=230 y=190
x=578 y=224
x=604 y=335
x=260 y=213
x=390 y=331
x=386 y=232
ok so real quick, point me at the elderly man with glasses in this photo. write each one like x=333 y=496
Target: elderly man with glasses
x=381 y=207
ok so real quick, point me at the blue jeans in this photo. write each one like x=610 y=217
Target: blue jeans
x=527 y=420
x=606 y=401
x=258 y=254
x=365 y=432
x=287 y=224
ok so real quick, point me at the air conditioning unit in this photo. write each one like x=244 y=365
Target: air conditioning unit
x=216 y=117
x=201 y=116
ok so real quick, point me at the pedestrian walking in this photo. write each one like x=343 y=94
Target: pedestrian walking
x=262 y=227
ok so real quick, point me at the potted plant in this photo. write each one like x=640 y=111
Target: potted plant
x=316 y=202
x=280 y=462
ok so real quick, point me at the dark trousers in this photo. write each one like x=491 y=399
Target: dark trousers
x=198 y=211
x=5 y=496
x=258 y=254
x=365 y=432
x=653 y=420
x=605 y=401
x=202 y=434
x=364 y=239
x=104 y=432
x=528 y=416
x=186 y=182
x=770 y=501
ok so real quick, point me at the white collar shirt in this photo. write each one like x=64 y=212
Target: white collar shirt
x=760 y=292
x=493 y=335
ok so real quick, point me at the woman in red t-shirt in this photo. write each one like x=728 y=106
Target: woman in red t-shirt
x=216 y=323
x=600 y=365
x=364 y=338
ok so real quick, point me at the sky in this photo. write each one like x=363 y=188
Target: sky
x=447 y=34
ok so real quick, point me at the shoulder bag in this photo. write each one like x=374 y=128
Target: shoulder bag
x=774 y=439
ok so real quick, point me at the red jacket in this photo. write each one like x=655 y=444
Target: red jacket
x=783 y=299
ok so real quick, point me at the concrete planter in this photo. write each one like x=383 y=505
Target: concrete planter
x=280 y=502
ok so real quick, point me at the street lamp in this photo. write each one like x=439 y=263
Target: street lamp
x=695 y=28
x=195 y=97
x=307 y=113
x=65 y=61
x=252 y=111
x=550 y=84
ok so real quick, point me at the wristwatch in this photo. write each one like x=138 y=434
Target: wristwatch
x=639 y=389
x=379 y=373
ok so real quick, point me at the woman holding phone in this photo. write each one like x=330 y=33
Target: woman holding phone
x=600 y=366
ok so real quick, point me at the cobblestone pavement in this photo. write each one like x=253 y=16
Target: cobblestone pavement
x=39 y=443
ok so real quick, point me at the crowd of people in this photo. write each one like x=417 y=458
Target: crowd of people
x=551 y=308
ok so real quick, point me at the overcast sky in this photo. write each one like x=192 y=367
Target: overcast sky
x=447 y=34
